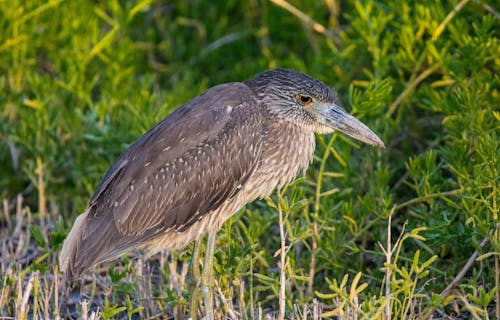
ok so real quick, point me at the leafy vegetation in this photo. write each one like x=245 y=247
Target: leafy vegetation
x=408 y=232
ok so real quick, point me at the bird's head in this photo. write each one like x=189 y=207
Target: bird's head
x=297 y=97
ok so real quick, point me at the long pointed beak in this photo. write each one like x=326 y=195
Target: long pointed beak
x=338 y=119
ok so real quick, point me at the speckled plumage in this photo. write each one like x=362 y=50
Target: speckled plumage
x=193 y=170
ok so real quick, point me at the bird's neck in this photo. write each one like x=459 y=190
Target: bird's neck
x=287 y=151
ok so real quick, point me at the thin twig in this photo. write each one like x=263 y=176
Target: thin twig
x=462 y=272
x=448 y=18
x=389 y=252
x=387 y=269
x=428 y=197
x=497 y=285
x=307 y=20
x=496 y=236
x=282 y=262
x=410 y=87
x=6 y=212
x=490 y=10
x=301 y=15
x=56 y=292
x=231 y=313
x=470 y=308
x=465 y=268
x=42 y=208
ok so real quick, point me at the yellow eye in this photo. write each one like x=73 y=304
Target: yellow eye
x=304 y=99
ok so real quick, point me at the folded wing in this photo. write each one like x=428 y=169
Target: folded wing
x=179 y=171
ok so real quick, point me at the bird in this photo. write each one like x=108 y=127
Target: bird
x=188 y=174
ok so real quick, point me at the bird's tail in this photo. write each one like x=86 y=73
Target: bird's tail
x=92 y=240
x=70 y=247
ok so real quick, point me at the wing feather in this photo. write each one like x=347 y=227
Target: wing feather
x=182 y=169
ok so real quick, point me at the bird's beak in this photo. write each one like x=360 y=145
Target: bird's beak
x=338 y=119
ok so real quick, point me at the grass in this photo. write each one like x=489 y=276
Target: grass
x=408 y=232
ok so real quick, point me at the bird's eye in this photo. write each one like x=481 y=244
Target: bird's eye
x=304 y=99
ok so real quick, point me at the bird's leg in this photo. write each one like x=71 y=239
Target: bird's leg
x=196 y=279
x=207 y=280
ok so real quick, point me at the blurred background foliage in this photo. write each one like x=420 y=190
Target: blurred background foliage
x=81 y=80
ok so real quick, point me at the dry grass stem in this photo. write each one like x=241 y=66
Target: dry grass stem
x=466 y=267
x=448 y=18
x=282 y=297
x=410 y=87
x=307 y=20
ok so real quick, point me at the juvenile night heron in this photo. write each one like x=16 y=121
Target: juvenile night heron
x=192 y=171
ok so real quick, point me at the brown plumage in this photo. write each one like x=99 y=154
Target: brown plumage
x=193 y=170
